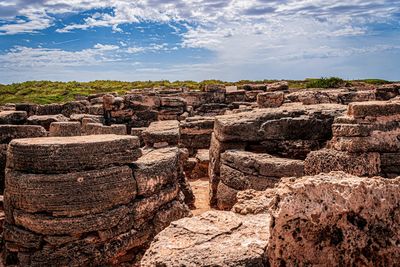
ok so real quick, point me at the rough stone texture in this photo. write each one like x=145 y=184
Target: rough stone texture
x=369 y=132
x=9 y=132
x=45 y=120
x=83 y=201
x=65 y=129
x=13 y=117
x=156 y=169
x=99 y=129
x=278 y=86
x=60 y=154
x=162 y=133
x=332 y=220
x=270 y=99
x=195 y=133
x=71 y=194
x=286 y=121
x=360 y=164
x=211 y=239
x=241 y=170
x=340 y=96
x=138 y=132
x=290 y=131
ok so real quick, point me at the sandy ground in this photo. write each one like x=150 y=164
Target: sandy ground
x=200 y=190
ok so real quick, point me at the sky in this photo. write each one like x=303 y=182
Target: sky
x=230 y=40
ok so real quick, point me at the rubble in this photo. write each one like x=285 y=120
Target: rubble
x=325 y=220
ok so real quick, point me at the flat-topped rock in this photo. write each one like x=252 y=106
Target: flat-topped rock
x=100 y=129
x=13 y=117
x=66 y=154
x=293 y=120
x=270 y=99
x=241 y=170
x=156 y=169
x=69 y=128
x=215 y=238
x=9 y=132
x=262 y=164
x=374 y=108
x=162 y=133
x=46 y=120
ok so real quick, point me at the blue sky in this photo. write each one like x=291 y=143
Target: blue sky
x=198 y=39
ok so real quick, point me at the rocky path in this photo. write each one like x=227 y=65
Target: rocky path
x=201 y=191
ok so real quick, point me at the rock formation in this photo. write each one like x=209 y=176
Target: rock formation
x=75 y=201
x=365 y=142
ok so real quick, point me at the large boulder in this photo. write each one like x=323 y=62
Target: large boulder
x=333 y=219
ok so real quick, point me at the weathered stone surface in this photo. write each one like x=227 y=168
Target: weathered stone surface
x=225 y=196
x=216 y=148
x=335 y=219
x=340 y=96
x=327 y=160
x=278 y=86
x=99 y=129
x=162 y=133
x=9 y=132
x=75 y=107
x=262 y=164
x=173 y=102
x=71 y=194
x=254 y=125
x=13 y=117
x=48 y=225
x=378 y=141
x=195 y=133
x=65 y=129
x=156 y=169
x=215 y=238
x=147 y=207
x=374 y=108
x=172 y=212
x=66 y=154
x=270 y=99
x=390 y=164
x=45 y=120
x=241 y=170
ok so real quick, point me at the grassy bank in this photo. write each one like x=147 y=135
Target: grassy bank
x=46 y=92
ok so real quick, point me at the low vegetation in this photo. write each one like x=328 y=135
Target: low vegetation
x=46 y=92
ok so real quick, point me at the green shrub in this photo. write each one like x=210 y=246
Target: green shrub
x=332 y=82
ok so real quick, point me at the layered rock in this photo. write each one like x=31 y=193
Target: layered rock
x=161 y=134
x=270 y=99
x=290 y=131
x=339 y=96
x=195 y=133
x=241 y=170
x=99 y=129
x=365 y=142
x=10 y=132
x=46 y=120
x=77 y=200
